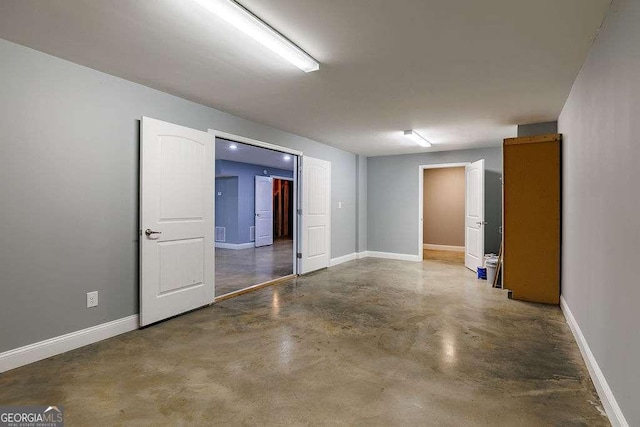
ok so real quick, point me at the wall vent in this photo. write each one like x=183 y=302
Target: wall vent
x=252 y=233
x=221 y=234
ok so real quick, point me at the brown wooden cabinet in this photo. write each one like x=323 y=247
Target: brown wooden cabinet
x=532 y=191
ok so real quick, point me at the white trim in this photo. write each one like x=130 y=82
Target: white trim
x=607 y=398
x=41 y=350
x=245 y=140
x=393 y=255
x=363 y=254
x=421 y=169
x=443 y=247
x=236 y=246
x=342 y=259
x=282 y=178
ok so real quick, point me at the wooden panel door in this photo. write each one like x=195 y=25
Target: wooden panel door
x=532 y=218
x=176 y=220
x=263 y=211
x=474 y=223
x=316 y=214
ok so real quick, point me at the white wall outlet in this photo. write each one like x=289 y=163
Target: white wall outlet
x=339 y=205
x=92 y=299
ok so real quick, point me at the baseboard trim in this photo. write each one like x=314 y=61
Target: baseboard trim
x=342 y=259
x=236 y=246
x=611 y=407
x=363 y=254
x=450 y=248
x=53 y=346
x=393 y=255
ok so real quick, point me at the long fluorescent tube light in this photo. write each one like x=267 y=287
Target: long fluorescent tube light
x=417 y=138
x=255 y=28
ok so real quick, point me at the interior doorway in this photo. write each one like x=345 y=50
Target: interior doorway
x=180 y=182
x=254 y=216
x=474 y=215
x=443 y=214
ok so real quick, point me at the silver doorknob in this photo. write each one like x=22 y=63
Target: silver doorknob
x=149 y=232
x=481 y=222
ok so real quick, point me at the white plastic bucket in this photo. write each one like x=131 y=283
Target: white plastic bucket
x=492 y=266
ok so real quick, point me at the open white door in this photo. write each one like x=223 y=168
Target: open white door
x=176 y=220
x=264 y=211
x=316 y=215
x=474 y=215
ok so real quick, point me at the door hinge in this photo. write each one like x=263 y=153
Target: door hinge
x=299 y=255
x=299 y=211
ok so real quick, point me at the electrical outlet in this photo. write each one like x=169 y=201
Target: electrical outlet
x=92 y=299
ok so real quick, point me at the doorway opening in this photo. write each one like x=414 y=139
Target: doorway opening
x=443 y=214
x=255 y=232
x=474 y=216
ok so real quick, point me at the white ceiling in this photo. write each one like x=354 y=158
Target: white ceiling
x=461 y=72
x=253 y=155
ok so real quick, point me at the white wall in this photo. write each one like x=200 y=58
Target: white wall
x=600 y=124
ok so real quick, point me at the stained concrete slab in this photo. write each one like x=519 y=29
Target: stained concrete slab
x=369 y=342
x=237 y=269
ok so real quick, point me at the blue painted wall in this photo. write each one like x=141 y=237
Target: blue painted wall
x=227 y=206
x=244 y=199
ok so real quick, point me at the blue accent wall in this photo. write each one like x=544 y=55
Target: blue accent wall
x=242 y=204
x=227 y=206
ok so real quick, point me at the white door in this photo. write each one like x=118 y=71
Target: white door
x=264 y=211
x=316 y=215
x=176 y=220
x=474 y=215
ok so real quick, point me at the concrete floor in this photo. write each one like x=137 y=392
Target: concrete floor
x=369 y=342
x=239 y=269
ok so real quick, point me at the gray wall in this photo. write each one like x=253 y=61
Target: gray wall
x=392 y=204
x=361 y=212
x=601 y=233
x=69 y=190
x=533 y=129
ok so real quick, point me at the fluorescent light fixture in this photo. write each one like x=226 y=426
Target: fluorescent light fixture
x=255 y=28
x=233 y=147
x=286 y=157
x=417 y=138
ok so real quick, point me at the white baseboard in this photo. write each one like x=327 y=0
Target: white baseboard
x=341 y=259
x=450 y=248
x=223 y=245
x=611 y=407
x=392 y=255
x=41 y=350
x=363 y=254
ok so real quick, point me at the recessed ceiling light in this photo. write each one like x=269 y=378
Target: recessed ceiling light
x=233 y=147
x=417 y=138
x=286 y=157
x=245 y=21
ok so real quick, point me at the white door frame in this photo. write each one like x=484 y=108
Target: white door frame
x=296 y=161
x=421 y=170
